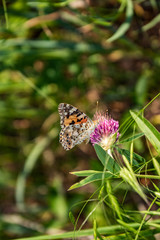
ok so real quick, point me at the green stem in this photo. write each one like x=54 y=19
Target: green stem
x=151 y=101
x=109 y=230
x=147 y=176
x=143 y=220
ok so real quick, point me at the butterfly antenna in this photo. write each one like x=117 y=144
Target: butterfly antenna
x=97 y=107
x=107 y=113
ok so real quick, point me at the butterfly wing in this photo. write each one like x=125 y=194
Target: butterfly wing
x=76 y=126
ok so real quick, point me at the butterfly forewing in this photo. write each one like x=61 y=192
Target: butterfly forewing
x=70 y=115
x=76 y=126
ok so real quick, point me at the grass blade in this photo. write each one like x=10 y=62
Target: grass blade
x=148 y=129
x=85 y=173
x=109 y=230
x=90 y=179
x=125 y=26
x=138 y=135
x=29 y=165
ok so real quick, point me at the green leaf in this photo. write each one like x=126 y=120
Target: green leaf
x=152 y=23
x=138 y=135
x=141 y=87
x=101 y=192
x=156 y=165
x=137 y=159
x=108 y=162
x=92 y=178
x=126 y=226
x=72 y=218
x=84 y=173
x=148 y=129
x=113 y=200
x=30 y=164
x=5 y=13
x=155 y=186
x=125 y=26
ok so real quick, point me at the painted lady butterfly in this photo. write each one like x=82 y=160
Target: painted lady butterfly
x=76 y=126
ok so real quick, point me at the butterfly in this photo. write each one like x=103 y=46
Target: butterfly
x=76 y=126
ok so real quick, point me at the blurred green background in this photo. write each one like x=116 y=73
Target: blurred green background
x=58 y=51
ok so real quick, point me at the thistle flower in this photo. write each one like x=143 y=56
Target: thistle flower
x=106 y=132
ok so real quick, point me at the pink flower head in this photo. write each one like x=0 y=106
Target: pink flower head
x=106 y=132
